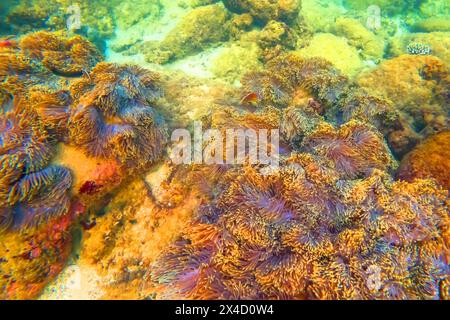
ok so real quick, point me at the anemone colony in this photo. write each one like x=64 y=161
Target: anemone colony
x=32 y=190
x=56 y=90
x=330 y=223
x=113 y=116
x=357 y=209
x=307 y=232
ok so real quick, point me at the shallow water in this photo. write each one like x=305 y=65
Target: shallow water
x=350 y=201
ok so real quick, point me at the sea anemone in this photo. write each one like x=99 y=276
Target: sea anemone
x=355 y=149
x=288 y=72
x=293 y=234
x=59 y=53
x=113 y=114
x=31 y=192
x=52 y=108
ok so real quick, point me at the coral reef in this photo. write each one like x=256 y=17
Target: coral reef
x=54 y=105
x=358 y=207
x=429 y=160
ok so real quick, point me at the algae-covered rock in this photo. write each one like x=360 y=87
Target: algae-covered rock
x=432 y=24
x=266 y=10
x=432 y=8
x=239 y=24
x=438 y=42
x=387 y=6
x=277 y=33
x=198 y=3
x=361 y=38
x=127 y=13
x=235 y=61
x=200 y=29
x=319 y=15
x=336 y=50
x=27 y=15
x=418 y=87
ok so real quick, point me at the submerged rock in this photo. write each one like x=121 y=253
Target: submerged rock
x=336 y=50
x=429 y=160
x=201 y=28
x=265 y=10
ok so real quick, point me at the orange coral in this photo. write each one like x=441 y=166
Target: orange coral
x=430 y=159
x=419 y=88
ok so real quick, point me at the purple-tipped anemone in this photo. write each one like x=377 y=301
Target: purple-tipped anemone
x=31 y=192
x=114 y=117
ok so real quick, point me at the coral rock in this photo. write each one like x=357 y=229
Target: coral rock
x=430 y=159
x=266 y=10
x=418 y=86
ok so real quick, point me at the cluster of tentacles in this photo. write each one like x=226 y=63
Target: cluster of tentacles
x=330 y=222
x=31 y=190
x=42 y=58
x=113 y=116
x=289 y=79
x=54 y=89
x=306 y=231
